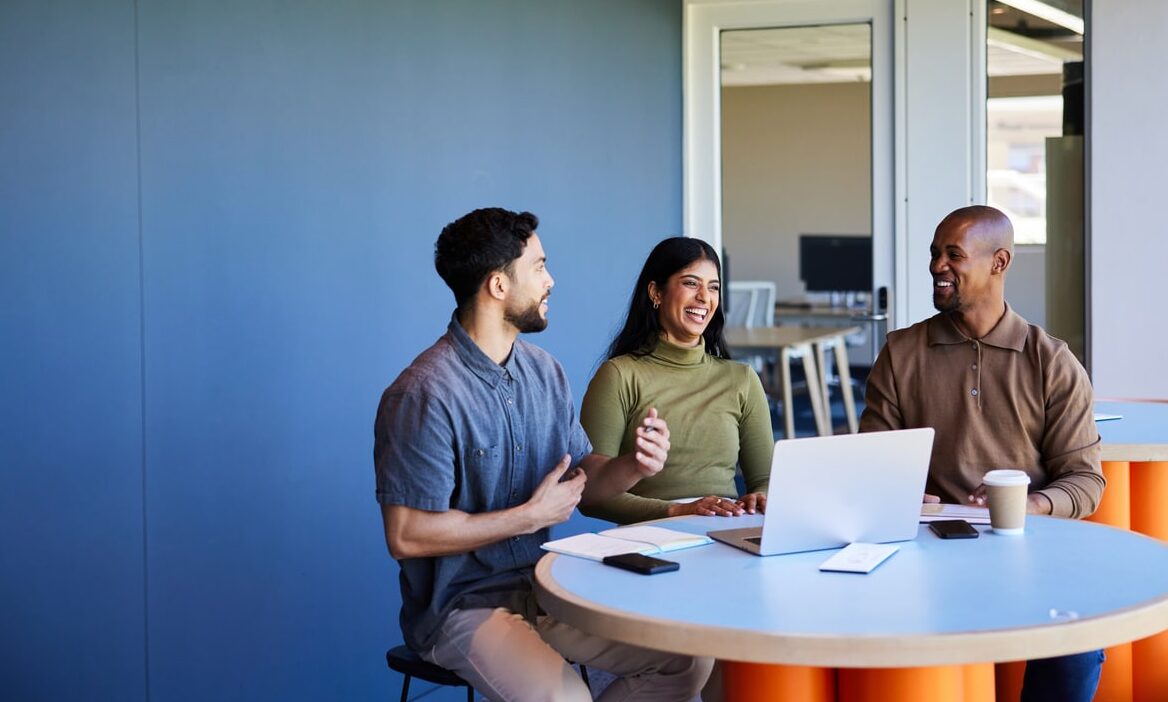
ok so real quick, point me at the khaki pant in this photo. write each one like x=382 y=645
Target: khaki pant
x=503 y=657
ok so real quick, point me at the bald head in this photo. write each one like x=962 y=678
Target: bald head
x=971 y=251
x=988 y=228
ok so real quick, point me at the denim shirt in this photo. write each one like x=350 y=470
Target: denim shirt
x=458 y=431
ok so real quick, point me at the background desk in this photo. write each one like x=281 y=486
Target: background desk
x=809 y=342
x=933 y=603
x=863 y=344
x=1135 y=463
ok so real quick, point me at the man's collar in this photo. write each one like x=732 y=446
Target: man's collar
x=1009 y=333
x=474 y=358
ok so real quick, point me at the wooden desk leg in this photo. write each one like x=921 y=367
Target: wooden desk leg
x=815 y=392
x=785 y=387
x=1115 y=509
x=845 y=378
x=825 y=382
x=954 y=683
x=1149 y=494
x=749 y=682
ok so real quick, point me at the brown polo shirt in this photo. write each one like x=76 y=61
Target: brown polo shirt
x=1015 y=398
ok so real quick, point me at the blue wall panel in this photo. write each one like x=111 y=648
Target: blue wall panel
x=297 y=161
x=71 y=556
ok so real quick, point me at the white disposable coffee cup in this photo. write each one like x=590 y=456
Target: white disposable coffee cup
x=1006 y=492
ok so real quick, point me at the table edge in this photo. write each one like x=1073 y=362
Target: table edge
x=999 y=645
x=1136 y=453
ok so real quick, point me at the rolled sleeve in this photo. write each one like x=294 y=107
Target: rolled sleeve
x=414 y=453
x=1071 y=446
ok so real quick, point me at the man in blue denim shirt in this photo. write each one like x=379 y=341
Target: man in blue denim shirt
x=473 y=447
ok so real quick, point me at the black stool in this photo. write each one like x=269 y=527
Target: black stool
x=406 y=662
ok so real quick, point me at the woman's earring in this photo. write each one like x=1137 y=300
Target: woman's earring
x=656 y=305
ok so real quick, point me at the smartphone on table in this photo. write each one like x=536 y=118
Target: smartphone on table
x=953 y=529
x=640 y=563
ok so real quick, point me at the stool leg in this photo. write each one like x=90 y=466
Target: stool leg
x=405 y=689
x=584 y=675
x=469 y=694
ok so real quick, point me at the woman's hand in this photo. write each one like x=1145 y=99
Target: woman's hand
x=753 y=502
x=709 y=506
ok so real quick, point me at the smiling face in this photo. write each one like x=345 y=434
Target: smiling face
x=687 y=302
x=962 y=265
x=531 y=284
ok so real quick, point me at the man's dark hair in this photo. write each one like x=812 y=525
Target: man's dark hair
x=476 y=245
x=641 y=329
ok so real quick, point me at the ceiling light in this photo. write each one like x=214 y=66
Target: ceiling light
x=1034 y=48
x=1048 y=13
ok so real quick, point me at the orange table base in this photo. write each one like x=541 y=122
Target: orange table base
x=743 y=681
x=1116 y=507
x=1115 y=685
x=954 y=683
x=1008 y=680
x=1149 y=495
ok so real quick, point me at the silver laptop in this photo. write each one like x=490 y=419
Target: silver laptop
x=830 y=491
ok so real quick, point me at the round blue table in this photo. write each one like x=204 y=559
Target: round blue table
x=1063 y=587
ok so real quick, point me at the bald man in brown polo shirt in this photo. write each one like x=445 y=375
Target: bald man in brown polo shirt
x=1001 y=393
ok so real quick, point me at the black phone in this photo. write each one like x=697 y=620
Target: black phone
x=953 y=529
x=640 y=563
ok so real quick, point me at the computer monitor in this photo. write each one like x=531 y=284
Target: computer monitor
x=835 y=263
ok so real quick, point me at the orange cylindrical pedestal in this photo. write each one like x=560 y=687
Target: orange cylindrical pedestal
x=1008 y=678
x=1149 y=495
x=979 y=682
x=1149 y=672
x=939 y=684
x=743 y=682
x=1115 y=685
x=1115 y=507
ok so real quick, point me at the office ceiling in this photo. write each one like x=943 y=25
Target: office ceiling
x=1018 y=43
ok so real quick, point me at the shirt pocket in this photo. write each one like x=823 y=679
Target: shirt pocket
x=481 y=477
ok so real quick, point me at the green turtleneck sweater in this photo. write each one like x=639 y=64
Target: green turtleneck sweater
x=717 y=415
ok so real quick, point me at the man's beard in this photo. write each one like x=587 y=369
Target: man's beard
x=529 y=320
x=952 y=305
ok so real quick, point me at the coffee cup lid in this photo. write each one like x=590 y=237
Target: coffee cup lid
x=1006 y=478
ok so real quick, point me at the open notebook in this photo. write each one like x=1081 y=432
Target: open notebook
x=630 y=539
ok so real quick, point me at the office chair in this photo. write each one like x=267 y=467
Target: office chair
x=406 y=662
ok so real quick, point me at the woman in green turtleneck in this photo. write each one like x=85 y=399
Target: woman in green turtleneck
x=671 y=355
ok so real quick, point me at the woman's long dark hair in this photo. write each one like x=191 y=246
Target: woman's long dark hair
x=641 y=329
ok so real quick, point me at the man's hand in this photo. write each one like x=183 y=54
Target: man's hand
x=978 y=497
x=554 y=499
x=930 y=499
x=652 y=444
x=1036 y=503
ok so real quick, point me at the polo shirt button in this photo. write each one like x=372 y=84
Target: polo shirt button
x=973 y=392
x=974 y=366
x=508 y=400
x=518 y=448
x=515 y=538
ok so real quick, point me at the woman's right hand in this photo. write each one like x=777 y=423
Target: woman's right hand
x=708 y=506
